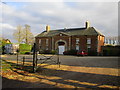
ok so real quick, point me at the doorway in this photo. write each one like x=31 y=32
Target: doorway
x=61 y=47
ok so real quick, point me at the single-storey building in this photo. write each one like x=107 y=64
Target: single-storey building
x=86 y=38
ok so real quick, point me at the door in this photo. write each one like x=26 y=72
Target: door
x=61 y=49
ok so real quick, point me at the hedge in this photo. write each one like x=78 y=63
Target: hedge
x=23 y=48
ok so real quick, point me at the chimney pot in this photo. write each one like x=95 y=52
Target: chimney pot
x=87 y=24
x=47 y=28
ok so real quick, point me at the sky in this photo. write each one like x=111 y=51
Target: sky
x=101 y=15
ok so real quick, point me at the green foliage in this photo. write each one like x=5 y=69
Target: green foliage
x=44 y=52
x=92 y=52
x=70 y=52
x=25 y=48
x=109 y=45
x=3 y=42
x=53 y=52
x=5 y=65
x=48 y=52
x=109 y=52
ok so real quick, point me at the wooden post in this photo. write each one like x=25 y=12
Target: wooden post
x=58 y=60
x=23 y=61
x=36 y=59
x=17 y=55
x=34 y=50
x=17 y=58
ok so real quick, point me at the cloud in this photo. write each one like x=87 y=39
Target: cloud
x=102 y=15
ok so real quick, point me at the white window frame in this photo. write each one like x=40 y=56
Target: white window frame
x=77 y=40
x=40 y=41
x=46 y=42
x=46 y=47
x=88 y=46
x=77 y=47
x=60 y=34
x=88 y=40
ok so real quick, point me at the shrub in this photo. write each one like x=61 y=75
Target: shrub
x=70 y=52
x=27 y=52
x=45 y=52
x=41 y=51
x=73 y=52
x=92 y=53
x=24 y=48
x=66 y=52
x=53 y=52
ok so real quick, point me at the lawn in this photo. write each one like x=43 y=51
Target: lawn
x=51 y=76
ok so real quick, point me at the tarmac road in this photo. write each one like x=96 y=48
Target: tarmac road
x=87 y=61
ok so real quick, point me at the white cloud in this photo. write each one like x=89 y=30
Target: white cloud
x=102 y=15
x=7 y=26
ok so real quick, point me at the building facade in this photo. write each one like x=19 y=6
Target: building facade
x=11 y=48
x=86 y=38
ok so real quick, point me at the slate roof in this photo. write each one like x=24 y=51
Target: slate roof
x=71 y=32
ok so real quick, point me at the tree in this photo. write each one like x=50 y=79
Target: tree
x=28 y=36
x=23 y=34
x=18 y=34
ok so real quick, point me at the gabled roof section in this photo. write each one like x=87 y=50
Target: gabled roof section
x=71 y=32
x=64 y=33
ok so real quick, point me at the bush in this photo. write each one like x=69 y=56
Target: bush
x=24 y=48
x=92 y=53
x=73 y=52
x=70 y=52
x=111 y=52
x=53 y=52
x=66 y=52
x=44 y=52
x=28 y=53
x=41 y=51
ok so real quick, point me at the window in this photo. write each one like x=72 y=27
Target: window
x=88 y=46
x=60 y=34
x=40 y=47
x=46 y=42
x=77 y=47
x=40 y=41
x=46 y=47
x=88 y=40
x=77 y=40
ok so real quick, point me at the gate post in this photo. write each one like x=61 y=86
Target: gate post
x=23 y=60
x=34 y=50
x=58 y=60
x=17 y=55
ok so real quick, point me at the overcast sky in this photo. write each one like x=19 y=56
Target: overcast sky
x=102 y=15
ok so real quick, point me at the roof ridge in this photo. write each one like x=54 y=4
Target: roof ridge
x=71 y=32
x=97 y=31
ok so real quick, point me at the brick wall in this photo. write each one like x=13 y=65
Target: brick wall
x=96 y=42
x=100 y=42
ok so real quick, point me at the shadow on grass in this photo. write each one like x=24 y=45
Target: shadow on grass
x=97 y=79
x=26 y=67
x=10 y=84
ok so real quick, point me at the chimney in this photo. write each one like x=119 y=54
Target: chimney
x=87 y=24
x=47 y=28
